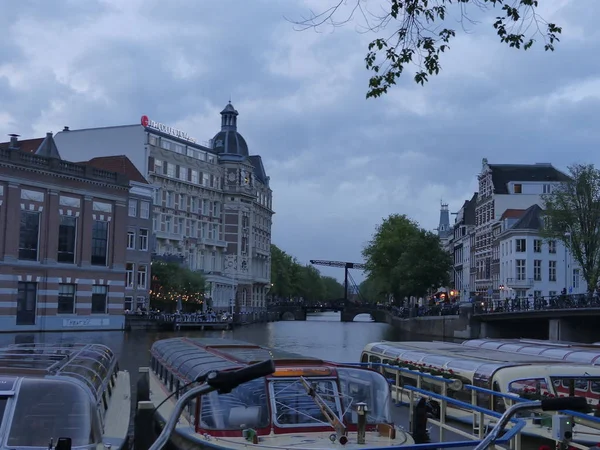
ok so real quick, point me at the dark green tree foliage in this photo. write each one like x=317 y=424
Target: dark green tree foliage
x=170 y=281
x=372 y=291
x=573 y=217
x=404 y=260
x=414 y=31
x=290 y=279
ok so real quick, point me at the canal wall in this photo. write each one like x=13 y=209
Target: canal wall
x=461 y=326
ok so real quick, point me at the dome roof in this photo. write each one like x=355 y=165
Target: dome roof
x=228 y=141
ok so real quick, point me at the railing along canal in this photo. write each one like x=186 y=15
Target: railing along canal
x=538 y=304
x=483 y=419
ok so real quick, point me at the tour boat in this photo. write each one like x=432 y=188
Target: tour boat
x=307 y=403
x=510 y=374
x=574 y=352
x=49 y=392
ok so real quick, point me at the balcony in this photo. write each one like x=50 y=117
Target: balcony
x=168 y=235
x=519 y=283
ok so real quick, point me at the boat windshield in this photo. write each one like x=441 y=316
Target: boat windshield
x=293 y=407
x=47 y=409
x=359 y=385
x=244 y=407
x=586 y=387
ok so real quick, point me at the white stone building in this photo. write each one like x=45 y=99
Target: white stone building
x=531 y=266
x=464 y=227
x=502 y=187
x=213 y=204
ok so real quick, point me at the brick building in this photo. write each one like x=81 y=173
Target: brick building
x=62 y=240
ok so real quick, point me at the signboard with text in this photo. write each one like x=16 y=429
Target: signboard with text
x=149 y=123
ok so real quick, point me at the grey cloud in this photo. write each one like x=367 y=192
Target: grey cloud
x=338 y=163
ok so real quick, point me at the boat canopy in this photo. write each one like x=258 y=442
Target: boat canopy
x=568 y=352
x=190 y=358
x=90 y=364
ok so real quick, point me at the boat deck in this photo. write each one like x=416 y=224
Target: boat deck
x=119 y=413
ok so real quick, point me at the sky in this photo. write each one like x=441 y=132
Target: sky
x=338 y=163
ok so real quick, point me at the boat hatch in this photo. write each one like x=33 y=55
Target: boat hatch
x=49 y=408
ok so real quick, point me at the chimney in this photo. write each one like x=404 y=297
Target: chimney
x=66 y=128
x=14 y=142
x=49 y=135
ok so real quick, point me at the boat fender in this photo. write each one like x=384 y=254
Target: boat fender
x=419 y=430
x=142 y=389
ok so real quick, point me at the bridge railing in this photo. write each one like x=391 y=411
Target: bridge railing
x=537 y=304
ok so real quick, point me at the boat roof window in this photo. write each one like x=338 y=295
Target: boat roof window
x=366 y=386
x=3 y=402
x=293 y=407
x=245 y=407
x=47 y=409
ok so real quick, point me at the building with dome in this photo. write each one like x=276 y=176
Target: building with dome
x=212 y=205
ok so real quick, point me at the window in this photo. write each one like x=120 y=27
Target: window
x=537 y=246
x=295 y=409
x=552 y=270
x=141 y=302
x=143 y=240
x=551 y=246
x=547 y=189
x=521 y=245
x=141 y=276
x=99 y=299
x=128 y=304
x=171 y=170
x=29 y=233
x=66 y=298
x=99 y=243
x=129 y=274
x=133 y=208
x=552 y=293
x=537 y=294
x=537 y=270
x=131 y=240
x=195 y=176
x=67 y=230
x=144 y=210
x=576 y=278
x=518 y=188
x=520 y=266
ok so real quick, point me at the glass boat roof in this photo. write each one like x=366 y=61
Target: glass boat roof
x=91 y=364
x=193 y=357
x=483 y=362
x=568 y=352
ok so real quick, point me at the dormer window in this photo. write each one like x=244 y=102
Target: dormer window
x=219 y=143
x=518 y=189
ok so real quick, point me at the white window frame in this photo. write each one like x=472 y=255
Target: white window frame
x=133 y=207
x=130 y=240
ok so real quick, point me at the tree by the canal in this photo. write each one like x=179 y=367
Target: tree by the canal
x=372 y=290
x=406 y=260
x=416 y=32
x=171 y=281
x=572 y=213
x=291 y=279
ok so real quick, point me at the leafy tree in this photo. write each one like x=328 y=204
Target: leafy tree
x=405 y=259
x=290 y=279
x=371 y=290
x=170 y=281
x=573 y=213
x=416 y=32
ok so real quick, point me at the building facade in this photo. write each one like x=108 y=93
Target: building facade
x=140 y=237
x=502 y=187
x=464 y=227
x=62 y=246
x=212 y=207
x=531 y=266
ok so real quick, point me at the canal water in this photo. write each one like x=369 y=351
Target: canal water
x=322 y=335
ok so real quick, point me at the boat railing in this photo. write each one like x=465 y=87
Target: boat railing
x=483 y=418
